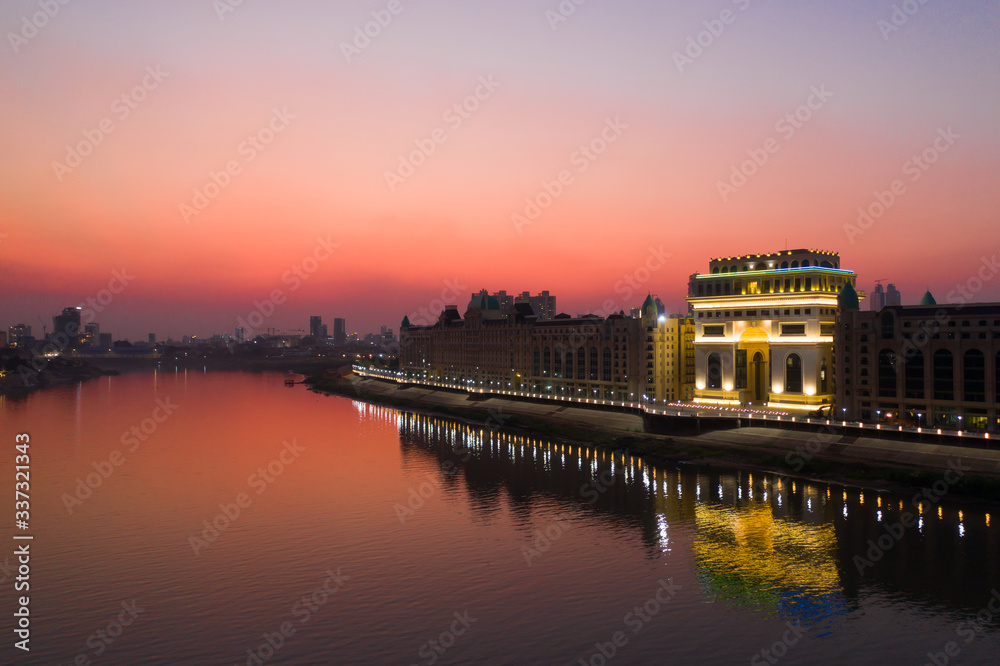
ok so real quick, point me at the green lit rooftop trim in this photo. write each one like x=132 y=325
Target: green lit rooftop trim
x=777 y=271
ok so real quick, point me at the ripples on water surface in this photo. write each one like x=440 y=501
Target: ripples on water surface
x=550 y=548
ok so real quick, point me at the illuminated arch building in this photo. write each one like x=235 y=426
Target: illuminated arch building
x=764 y=328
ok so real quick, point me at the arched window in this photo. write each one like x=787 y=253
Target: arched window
x=725 y=269
x=715 y=270
x=888 y=326
x=732 y=269
x=581 y=363
x=793 y=374
x=536 y=366
x=760 y=267
x=606 y=365
x=823 y=383
x=714 y=379
x=944 y=375
x=558 y=364
x=547 y=362
x=794 y=264
x=593 y=363
x=569 y=364
x=805 y=264
x=914 y=374
x=974 y=369
x=784 y=264
x=887 y=373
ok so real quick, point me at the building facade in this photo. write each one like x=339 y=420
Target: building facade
x=764 y=326
x=925 y=365
x=881 y=297
x=589 y=357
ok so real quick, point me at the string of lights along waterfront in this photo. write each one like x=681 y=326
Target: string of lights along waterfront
x=382 y=536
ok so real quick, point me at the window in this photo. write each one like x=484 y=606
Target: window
x=593 y=364
x=741 y=369
x=914 y=375
x=581 y=363
x=714 y=379
x=536 y=366
x=793 y=329
x=974 y=369
x=823 y=384
x=826 y=329
x=606 y=365
x=716 y=330
x=569 y=364
x=793 y=374
x=547 y=362
x=887 y=373
x=944 y=375
x=558 y=360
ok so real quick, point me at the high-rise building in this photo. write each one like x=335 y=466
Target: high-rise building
x=923 y=365
x=151 y=338
x=3 y=339
x=105 y=340
x=17 y=333
x=339 y=331
x=90 y=335
x=543 y=304
x=764 y=326
x=323 y=334
x=315 y=324
x=880 y=298
x=238 y=334
x=66 y=328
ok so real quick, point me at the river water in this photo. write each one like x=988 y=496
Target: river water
x=223 y=518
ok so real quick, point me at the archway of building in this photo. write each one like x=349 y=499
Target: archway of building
x=753 y=354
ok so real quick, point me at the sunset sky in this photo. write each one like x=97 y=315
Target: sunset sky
x=120 y=120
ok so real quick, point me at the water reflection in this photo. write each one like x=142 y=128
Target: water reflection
x=775 y=546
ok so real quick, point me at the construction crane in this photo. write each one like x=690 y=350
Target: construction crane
x=43 y=326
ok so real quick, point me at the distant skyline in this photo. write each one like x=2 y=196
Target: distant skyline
x=218 y=156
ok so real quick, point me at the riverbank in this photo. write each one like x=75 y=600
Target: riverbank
x=827 y=456
x=25 y=379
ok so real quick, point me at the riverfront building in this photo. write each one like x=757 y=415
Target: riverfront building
x=925 y=365
x=764 y=326
x=588 y=357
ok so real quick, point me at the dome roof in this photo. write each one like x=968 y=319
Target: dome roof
x=928 y=298
x=649 y=303
x=848 y=298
